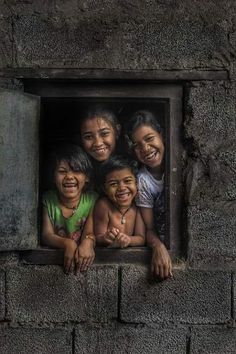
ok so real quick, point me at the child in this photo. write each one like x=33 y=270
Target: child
x=99 y=132
x=144 y=135
x=67 y=210
x=117 y=220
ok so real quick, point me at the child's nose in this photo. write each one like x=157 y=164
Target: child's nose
x=97 y=140
x=145 y=147
x=69 y=175
x=121 y=185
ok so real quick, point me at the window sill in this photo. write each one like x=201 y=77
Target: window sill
x=46 y=256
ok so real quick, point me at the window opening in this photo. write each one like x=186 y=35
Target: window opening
x=62 y=106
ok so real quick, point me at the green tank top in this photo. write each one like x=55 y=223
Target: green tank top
x=71 y=227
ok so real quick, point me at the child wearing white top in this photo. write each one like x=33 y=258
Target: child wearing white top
x=144 y=136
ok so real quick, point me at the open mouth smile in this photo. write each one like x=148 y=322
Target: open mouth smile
x=100 y=150
x=70 y=185
x=152 y=156
x=123 y=196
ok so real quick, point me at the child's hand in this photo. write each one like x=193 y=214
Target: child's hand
x=123 y=240
x=111 y=235
x=69 y=253
x=161 y=263
x=84 y=255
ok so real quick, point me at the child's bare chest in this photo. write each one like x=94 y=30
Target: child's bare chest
x=124 y=221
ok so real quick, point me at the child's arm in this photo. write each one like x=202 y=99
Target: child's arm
x=84 y=255
x=138 y=239
x=139 y=230
x=104 y=237
x=51 y=239
x=161 y=263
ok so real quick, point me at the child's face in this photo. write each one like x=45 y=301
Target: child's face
x=98 y=138
x=120 y=187
x=68 y=182
x=148 y=146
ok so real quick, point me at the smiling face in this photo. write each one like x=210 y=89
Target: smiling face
x=68 y=182
x=148 y=146
x=98 y=138
x=120 y=187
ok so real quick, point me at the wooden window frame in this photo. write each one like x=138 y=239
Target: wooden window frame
x=171 y=94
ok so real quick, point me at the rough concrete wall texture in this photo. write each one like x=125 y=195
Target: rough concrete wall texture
x=118 y=34
x=206 y=340
x=130 y=339
x=74 y=298
x=210 y=123
x=2 y=295
x=190 y=297
x=31 y=340
x=115 y=308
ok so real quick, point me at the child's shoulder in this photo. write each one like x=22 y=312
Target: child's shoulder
x=142 y=171
x=143 y=174
x=102 y=201
x=50 y=200
x=89 y=196
x=50 y=195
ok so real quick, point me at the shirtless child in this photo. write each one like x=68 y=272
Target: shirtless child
x=117 y=220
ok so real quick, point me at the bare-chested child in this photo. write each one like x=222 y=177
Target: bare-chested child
x=117 y=220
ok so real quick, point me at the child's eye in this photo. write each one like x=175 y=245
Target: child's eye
x=130 y=180
x=112 y=184
x=62 y=171
x=87 y=137
x=149 y=138
x=104 y=134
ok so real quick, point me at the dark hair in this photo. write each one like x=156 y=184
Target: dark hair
x=116 y=162
x=99 y=111
x=138 y=119
x=74 y=155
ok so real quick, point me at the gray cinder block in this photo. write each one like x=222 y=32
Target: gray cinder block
x=213 y=341
x=2 y=295
x=210 y=108
x=44 y=294
x=38 y=341
x=190 y=297
x=6 y=56
x=116 y=339
x=234 y=294
x=211 y=231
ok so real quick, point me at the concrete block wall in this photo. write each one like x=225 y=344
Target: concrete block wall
x=116 y=307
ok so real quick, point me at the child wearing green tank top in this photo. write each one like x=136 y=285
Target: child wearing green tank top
x=67 y=209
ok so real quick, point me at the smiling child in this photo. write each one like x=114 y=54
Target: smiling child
x=99 y=131
x=67 y=209
x=144 y=136
x=117 y=220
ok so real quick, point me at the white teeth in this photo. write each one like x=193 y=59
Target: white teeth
x=122 y=196
x=150 y=156
x=100 y=150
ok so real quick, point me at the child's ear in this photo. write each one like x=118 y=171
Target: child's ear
x=87 y=179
